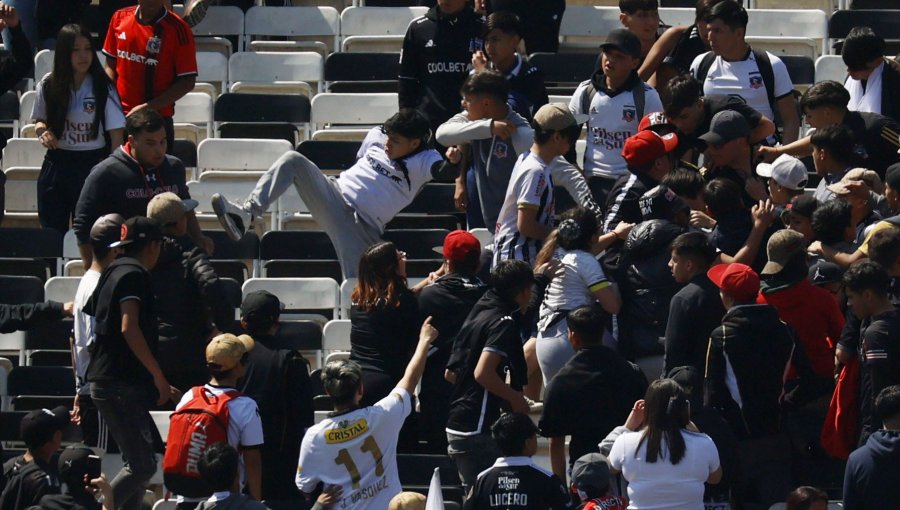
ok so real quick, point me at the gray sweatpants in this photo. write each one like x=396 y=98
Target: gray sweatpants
x=322 y=196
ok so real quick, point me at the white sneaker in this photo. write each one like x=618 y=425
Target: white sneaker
x=234 y=218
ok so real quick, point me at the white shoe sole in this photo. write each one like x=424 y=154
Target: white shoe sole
x=220 y=207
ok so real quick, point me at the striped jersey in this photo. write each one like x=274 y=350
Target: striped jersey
x=530 y=187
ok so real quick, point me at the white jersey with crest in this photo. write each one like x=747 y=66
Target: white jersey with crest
x=530 y=187
x=358 y=452
x=378 y=188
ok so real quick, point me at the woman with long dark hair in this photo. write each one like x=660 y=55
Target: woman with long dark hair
x=75 y=106
x=575 y=243
x=667 y=461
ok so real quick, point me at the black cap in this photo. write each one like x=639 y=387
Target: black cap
x=107 y=229
x=804 y=205
x=624 y=41
x=261 y=307
x=823 y=272
x=724 y=127
x=661 y=203
x=590 y=474
x=892 y=176
x=73 y=464
x=138 y=228
x=38 y=426
x=504 y=21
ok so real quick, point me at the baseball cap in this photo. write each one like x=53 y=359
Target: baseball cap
x=661 y=203
x=556 y=117
x=892 y=176
x=138 y=228
x=73 y=463
x=823 y=272
x=107 y=229
x=261 y=306
x=870 y=177
x=786 y=170
x=804 y=205
x=737 y=280
x=646 y=147
x=225 y=351
x=724 y=127
x=459 y=244
x=624 y=41
x=167 y=208
x=38 y=426
x=656 y=121
x=590 y=474
x=781 y=248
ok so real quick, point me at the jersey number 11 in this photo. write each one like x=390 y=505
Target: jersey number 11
x=368 y=446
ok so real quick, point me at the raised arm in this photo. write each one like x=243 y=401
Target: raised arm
x=417 y=364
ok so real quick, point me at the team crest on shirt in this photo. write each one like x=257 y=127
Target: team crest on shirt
x=628 y=114
x=154 y=44
x=346 y=431
x=501 y=150
x=756 y=82
x=89 y=105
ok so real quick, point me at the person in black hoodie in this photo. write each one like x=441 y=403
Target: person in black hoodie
x=447 y=301
x=189 y=298
x=870 y=481
x=436 y=57
x=125 y=182
x=76 y=471
x=278 y=380
x=745 y=369
x=31 y=476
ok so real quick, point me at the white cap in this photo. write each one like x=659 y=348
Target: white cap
x=787 y=171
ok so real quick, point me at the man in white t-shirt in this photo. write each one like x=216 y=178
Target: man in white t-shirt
x=732 y=68
x=226 y=360
x=394 y=163
x=105 y=231
x=356 y=448
x=615 y=99
x=524 y=220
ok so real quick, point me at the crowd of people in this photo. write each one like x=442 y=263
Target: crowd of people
x=705 y=328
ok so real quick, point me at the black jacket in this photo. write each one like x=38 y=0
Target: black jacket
x=120 y=185
x=189 y=298
x=694 y=311
x=757 y=347
x=71 y=501
x=25 y=316
x=890 y=84
x=872 y=472
x=26 y=483
x=278 y=380
x=527 y=92
x=14 y=67
x=647 y=287
x=435 y=61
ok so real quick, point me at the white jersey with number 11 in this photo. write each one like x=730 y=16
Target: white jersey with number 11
x=357 y=451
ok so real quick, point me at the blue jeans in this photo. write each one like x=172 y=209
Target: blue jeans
x=473 y=454
x=127 y=413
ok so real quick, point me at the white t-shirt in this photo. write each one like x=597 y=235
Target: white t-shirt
x=582 y=275
x=84 y=328
x=357 y=451
x=742 y=78
x=613 y=119
x=378 y=188
x=661 y=485
x=77 y=134
x=530 y=186
x=244 y=423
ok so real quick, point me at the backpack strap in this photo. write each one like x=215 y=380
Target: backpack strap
x=768 y=75
x=587 y=96
x=703 y=69
x=639 y=99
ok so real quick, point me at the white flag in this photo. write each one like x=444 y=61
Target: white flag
x=435 y=499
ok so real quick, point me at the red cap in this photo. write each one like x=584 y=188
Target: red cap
x=459 y=244
x=654 y=121
x=737 y=280
x=646 y=147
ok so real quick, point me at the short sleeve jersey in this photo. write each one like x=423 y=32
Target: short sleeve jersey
x=76 y=135
x=612 y=120
x=356 y=451
x=165 y=48
x=378 y=188
x=743 y=78
x=530 y=187
x=517 y=482
x=581 y=277
x=83 y=331
x=661 y=484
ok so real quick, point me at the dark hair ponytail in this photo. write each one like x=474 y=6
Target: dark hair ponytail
x=668 y=411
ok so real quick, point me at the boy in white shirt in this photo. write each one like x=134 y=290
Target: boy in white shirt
x=524 y=219
x=615 y=99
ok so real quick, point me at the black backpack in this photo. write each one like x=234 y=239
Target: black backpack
x=587 y=95
x=762 y=62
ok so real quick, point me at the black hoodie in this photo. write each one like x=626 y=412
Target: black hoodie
x=435 y=61
x=756 y=346
x=870 y=481
x=119 y=184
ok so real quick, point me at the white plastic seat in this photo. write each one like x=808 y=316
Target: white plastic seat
x=221 y=20
x=346 y=291
x=350 y=113
x=300 y=293
x=27 y=152
x=484 y=236
x=831 y=67
x=559 y=99
x=21 y=196
x=320 y=23
x=587 y=26
x=336 y=336
x=195 y=109
x=803 y=26
x=376 y=28
x=43 y=63
x=674 y=16
x=61 y=288
x=26 y=105
x=212 y=67
x=239 y=153
x=163 y=504
x=273 y=72
x=70 y=246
